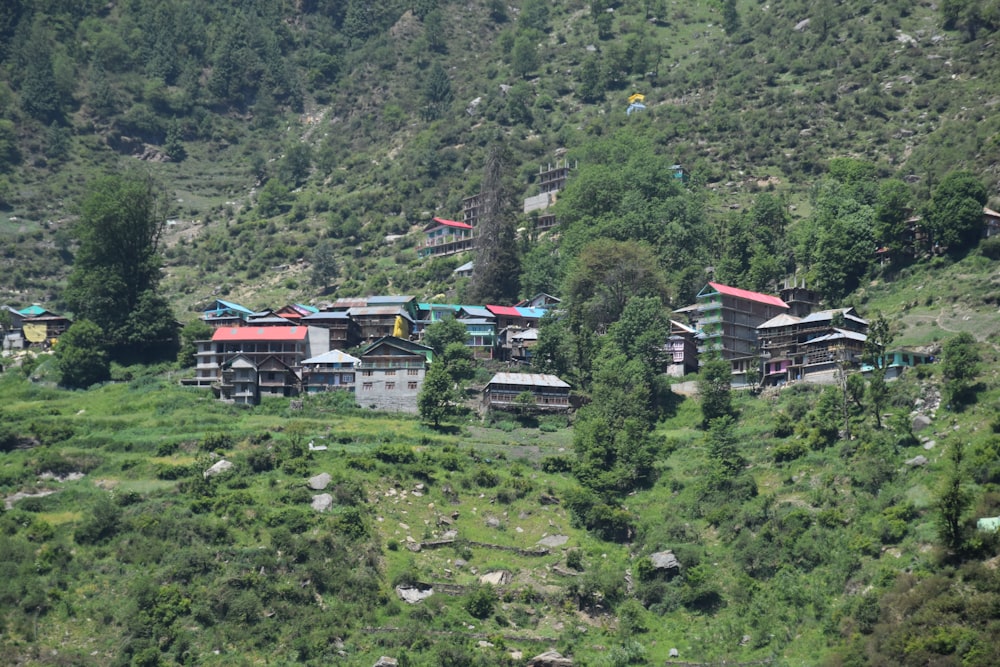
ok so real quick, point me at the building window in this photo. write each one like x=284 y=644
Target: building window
x=411 y=385
x=366 y=386
x=389 y=386
x=390 y=372
x=413 y=371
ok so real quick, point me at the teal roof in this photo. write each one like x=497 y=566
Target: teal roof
x=33 y=311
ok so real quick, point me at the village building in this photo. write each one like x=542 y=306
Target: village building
x=526 y=391
x=896 y=361
x=681 y=350
x=331 y=371
x=446 y=237
x=540 y=300
x=376 y=322
x=289 y=344
x=813 y=348
x=344 y=332
x=471 y=207
x=465 y=270
x=390 y=373
x=226 y=314
x=727 y=319
x=551 y=180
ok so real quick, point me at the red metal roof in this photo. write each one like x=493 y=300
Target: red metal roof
x=506 y=311
x=748 y=295
x=452 y=223
x=260 y=333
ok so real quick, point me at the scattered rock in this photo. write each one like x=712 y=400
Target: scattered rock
x=386 y=661
x=218 y=468
x=674 y=653
x=319 y=482
x=412 y=594
x=546 y=499
x=930 y=444
x=919 y=460
x=665 y=560
x=492 y=522
x=553 y=541
x=485 y=644
x=471 y=108
x=550 y=659
x=498 y=578
x=920 y=422
x=745 y=640
x=801 y=25
x=322 y=502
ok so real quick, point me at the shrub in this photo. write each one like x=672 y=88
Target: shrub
x=480 y=600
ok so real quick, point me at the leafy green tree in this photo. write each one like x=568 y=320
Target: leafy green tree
x=273 y=199
x=9 y=153
x=116 y=271
x=952 y=502
x=730 y=17
x=876 y=346
x=439 y=335
x=892 y=209
x=723 y=452
x=40 y=92
x=534 y=15
x=324 y=264
x=715 y=390
x=960 y=368
x=438 y=397
x=955 y=218
x=518 y=103
x=436 y=94
x=642 y=331
x=590 y=85
x=81 y=358
x=524 y=57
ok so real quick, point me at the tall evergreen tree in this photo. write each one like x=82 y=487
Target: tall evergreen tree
x=497 y=265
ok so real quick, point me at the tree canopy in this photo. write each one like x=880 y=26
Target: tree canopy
x=116 y=269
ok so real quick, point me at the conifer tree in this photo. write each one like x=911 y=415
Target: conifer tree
x=497 y=265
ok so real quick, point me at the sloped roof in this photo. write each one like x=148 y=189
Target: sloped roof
x=332 y=357
x=345 y=302
x=478 y=311
x=827 y=315
x=528 y=380
x=326 y=315
x=399 y=343
x=34 y=311
x=375 y=311
x=527 y=334
x=738 y=293
x=468 y=266
x=782 y=320
x=447 y=223
x=260 y=333
x=506 y=311
x=683 y=327
x=531 y=313
x=388 y=300
x=231 y=306
x=840 y=333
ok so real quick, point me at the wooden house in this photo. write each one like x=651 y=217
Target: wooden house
x=226 y=314
x=810 y=348
x=390 y=373
x=540 y=300
x=237 y=382
x=505 y=390
x=44 y=329
x=294 y=312
x=331 y=371
x=380 y=321
x=727 y=321
x=446 y=237
x=343 y=332
x=681 y=349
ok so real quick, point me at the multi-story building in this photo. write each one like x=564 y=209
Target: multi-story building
x=507 y=391
x=334 y=370
x=288 y=344
x=727 y=319
x=813 y=347
x=446 y=237
x=390 y=374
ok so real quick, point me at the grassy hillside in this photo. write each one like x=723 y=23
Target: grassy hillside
x=119 y=551
x=336 y=112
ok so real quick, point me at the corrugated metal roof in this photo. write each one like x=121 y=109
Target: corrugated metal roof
x=839 y=333
x=827 y=315
x=747 y=294
x=528 y=380
x=383 y=300
x=506 y=311
x=379 y=310
x=250 y=334
x=324 y=316
x=531 y=313
x=478 y=311
x=332 y=357
x=782 y=320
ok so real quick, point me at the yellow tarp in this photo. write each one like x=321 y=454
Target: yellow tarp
x=636 y=97
x=400 y=329
x=35 y=333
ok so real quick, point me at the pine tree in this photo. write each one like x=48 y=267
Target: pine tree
x=497 y=265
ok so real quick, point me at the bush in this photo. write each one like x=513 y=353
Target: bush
x=480 y=600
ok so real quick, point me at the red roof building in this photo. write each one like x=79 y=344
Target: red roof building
x=727 y=321
x=445 y=237
x=288 y=344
